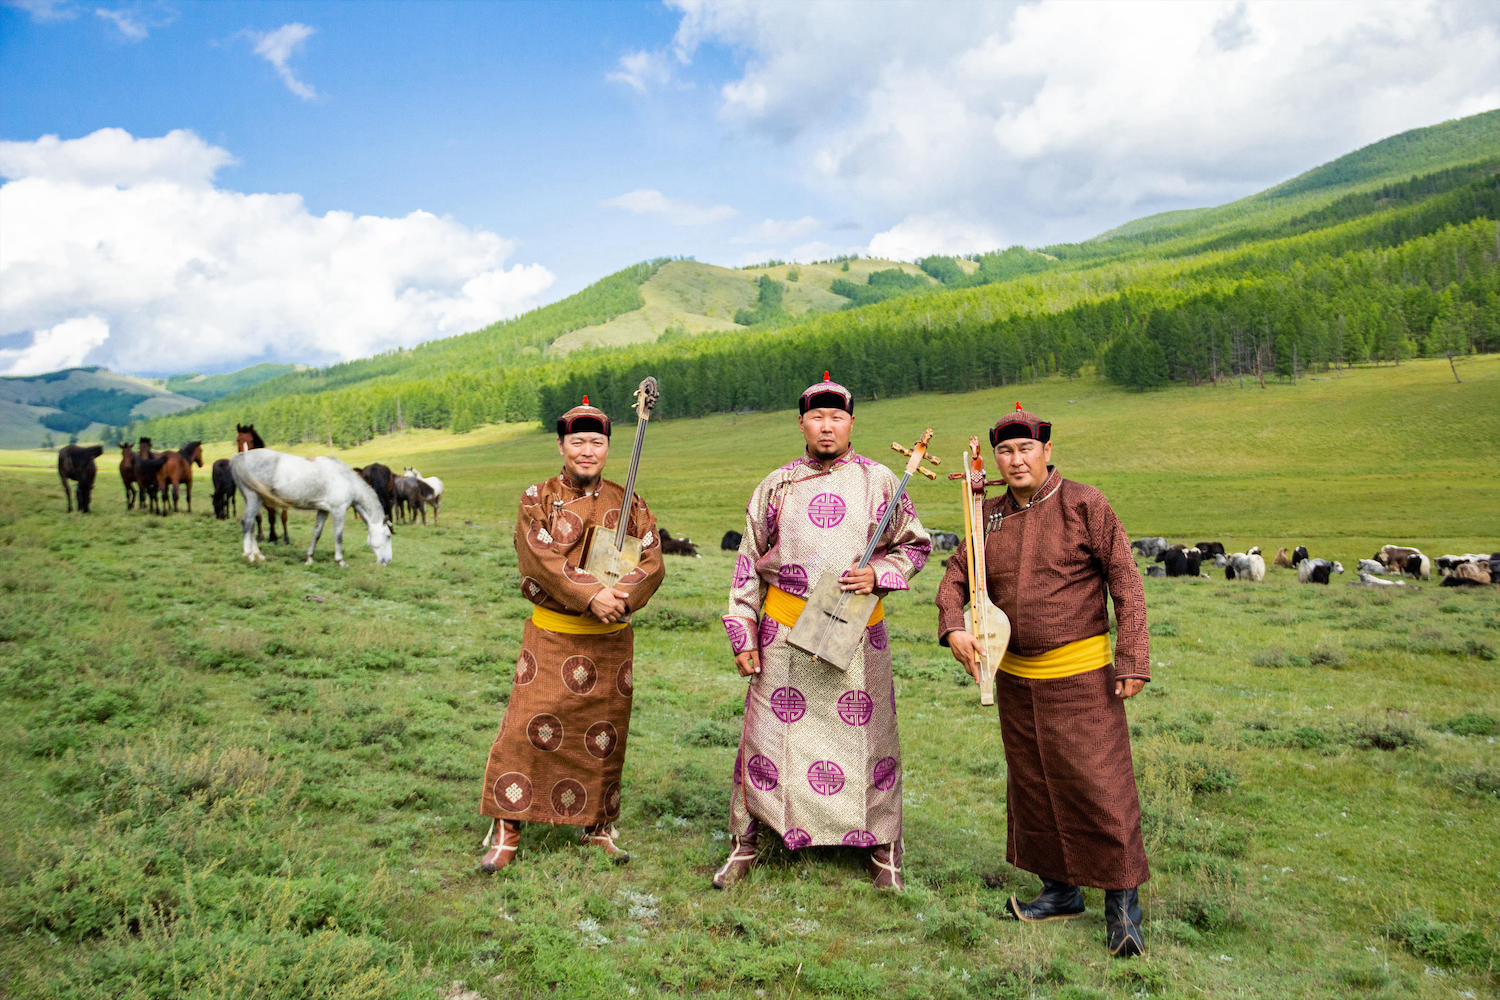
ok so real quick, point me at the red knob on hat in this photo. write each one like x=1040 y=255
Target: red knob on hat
x=586 y=402
x=826 y=378
x=1018 y=404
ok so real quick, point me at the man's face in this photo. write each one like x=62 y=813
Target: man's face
x=827 y=430
x=583 y=454
x=1023 y=462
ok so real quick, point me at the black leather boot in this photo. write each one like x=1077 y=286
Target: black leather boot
x=1122 y=923
x=1058 y=901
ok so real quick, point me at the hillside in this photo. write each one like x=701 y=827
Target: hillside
x=84 y=401
x=206 y=388
x=1380 y=256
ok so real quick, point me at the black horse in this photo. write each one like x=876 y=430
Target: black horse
x=76 y=462
x=224 y=490
x=379 y=477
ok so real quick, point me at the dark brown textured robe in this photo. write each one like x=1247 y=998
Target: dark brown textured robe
x=561 y=747
x=1072 y=809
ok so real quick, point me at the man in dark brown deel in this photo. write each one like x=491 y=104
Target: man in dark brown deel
x=561 y=747
x=1053 y=549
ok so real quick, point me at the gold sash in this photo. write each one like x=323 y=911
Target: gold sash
x=1074 y=658
x=785 y=608
x=558 y=621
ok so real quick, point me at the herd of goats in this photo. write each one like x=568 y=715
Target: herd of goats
x=162 y=481
x=156 y=479
x=1385 y=569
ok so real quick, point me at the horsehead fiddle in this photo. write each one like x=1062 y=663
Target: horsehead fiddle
x=832 y=625
x=983 y=620
x=609 y=557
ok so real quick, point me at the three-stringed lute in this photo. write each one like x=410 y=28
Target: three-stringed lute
x=832 y=625
x=983 y=620
x=608 y=554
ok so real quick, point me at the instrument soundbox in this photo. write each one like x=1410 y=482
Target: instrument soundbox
x=832 y=625
x=983 y=620
x=607 y=555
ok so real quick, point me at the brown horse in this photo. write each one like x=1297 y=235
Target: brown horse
x=247 y=440
x=178 y=471
x=145 y=477
x=127 y=473
x=76 y=462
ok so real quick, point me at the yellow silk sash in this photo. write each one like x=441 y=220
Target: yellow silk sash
x=1075 y=658
x=785 y=608
x=558 y=621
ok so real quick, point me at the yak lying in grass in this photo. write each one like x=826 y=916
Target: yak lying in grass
x=731 y=541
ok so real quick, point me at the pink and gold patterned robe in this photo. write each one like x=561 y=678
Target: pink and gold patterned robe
x=820 y=757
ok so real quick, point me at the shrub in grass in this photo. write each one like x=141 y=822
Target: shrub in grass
x=1476 y=780
x=676 y=619
x=1446 y=944
x=710 y=733
x=729 y=711
x=1363 y=977
x=1382 y=735
x=1472 y=724
x=690 y=790
x=1320 y=657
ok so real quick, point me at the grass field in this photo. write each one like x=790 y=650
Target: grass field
x=262 y=781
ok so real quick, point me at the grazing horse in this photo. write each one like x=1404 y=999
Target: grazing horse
x=127 y=473
x=178 y=471
x=76 y=462
x=379 y=477
x=412 y=496
x=247 y=440
x=321 y=484
x=436 y=485
x=223 y=490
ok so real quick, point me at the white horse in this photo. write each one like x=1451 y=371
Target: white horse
x=323 y=484
x=437 y=489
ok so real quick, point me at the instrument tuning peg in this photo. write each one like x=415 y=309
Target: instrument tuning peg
x=929 y=475
x=957 y=475
x=896 y=446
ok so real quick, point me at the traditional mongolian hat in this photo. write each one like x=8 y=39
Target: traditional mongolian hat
x=1020 y=424
x=826 y=393
x=583 y=418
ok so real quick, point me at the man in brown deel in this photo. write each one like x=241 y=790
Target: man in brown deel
x=561 y=746
x=1053 y=548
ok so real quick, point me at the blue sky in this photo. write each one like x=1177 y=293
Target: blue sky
x=492 y=157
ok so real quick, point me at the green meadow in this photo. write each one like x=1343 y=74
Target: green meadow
x=232 y=781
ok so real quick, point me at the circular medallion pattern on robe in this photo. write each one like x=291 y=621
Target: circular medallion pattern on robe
x=859 y=838
x=739 y=635
x=878 y=636
x=792 y=579
x=526 y=667
x=796 y=838
x=612 y=517
x=825 y=777
x=545 y=732
x=744 y=571
x=601 y=739
x=886 y=772
x=827 y=510
x=788 y=704
x=532 y=591
x=891 y=580
x=855 y=708
x=538 y=537
x=625 y=678
x=568 y=797
x=632 y=578
x=578 y=575
x=579 y=674
x=763 y=774
x=512 y=791
x=906 y=505
x=612 y=800
x=739 y=763
x=567 y=528
x=768 y=629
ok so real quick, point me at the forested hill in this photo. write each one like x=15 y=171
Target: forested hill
x=1389 y=252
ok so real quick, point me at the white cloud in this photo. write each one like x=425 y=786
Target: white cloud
x=920 y=235
x=779 y=230
x=649 y=201
x=182 y=275
x=276 y=47
x=1058 y=119
x=62 y=346
x=638 y=69
x=44 y=11
x=130 y=27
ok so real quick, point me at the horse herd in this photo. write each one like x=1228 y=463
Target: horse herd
x=1393 y=561
x=162 y=481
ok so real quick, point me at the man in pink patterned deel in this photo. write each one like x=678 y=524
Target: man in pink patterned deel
x=820 y=757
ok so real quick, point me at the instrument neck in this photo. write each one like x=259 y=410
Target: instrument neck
x=885 y=521
x=622 y=530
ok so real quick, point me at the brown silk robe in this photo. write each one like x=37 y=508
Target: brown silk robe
x=1072 y=809
x=561 y=746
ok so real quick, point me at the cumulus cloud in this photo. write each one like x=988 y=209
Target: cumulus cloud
x=276 y=47
x=65 y=345
x=1054 y=119
x=640 y=69
x=779 y=230
x=920 y=235
x=678 y=212
x=123 y=252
